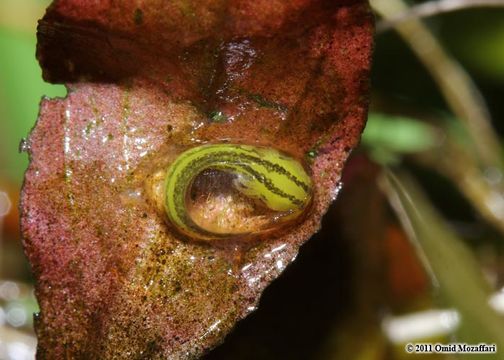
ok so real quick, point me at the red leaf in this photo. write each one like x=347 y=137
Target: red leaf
x=144 y=78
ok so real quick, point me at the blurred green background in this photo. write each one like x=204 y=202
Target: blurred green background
x=409 y=117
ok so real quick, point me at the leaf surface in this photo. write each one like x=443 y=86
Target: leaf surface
x=146 y=80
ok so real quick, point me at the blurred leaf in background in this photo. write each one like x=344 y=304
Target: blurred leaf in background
x=388 y=137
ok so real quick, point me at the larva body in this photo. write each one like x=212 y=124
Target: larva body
x=275 y=179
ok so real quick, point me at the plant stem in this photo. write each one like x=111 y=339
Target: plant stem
x=432 y=8
x=457 y=87
x=456 y=273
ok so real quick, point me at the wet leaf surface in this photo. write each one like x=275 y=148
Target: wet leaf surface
x=146 y=81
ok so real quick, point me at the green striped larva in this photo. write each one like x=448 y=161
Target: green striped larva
x=276 y=180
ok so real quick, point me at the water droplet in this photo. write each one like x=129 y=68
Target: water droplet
x=239 y=56
x=336 y=190
x=311 y=154
x=24 y=145
x=278 y=248
x=246 y=267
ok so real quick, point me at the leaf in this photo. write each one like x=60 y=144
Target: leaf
x=453 y=268
x=388 y=136
x=145 y=82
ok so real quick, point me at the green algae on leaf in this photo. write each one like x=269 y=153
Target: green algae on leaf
x=114 y=279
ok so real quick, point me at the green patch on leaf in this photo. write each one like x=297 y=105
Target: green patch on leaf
x=218 y=117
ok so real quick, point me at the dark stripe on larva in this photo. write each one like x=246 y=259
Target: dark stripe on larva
x=269 y=185
x=273 y=167
x=215 y=158
x=279 y=170
x=266 y=182
x=267 y=164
